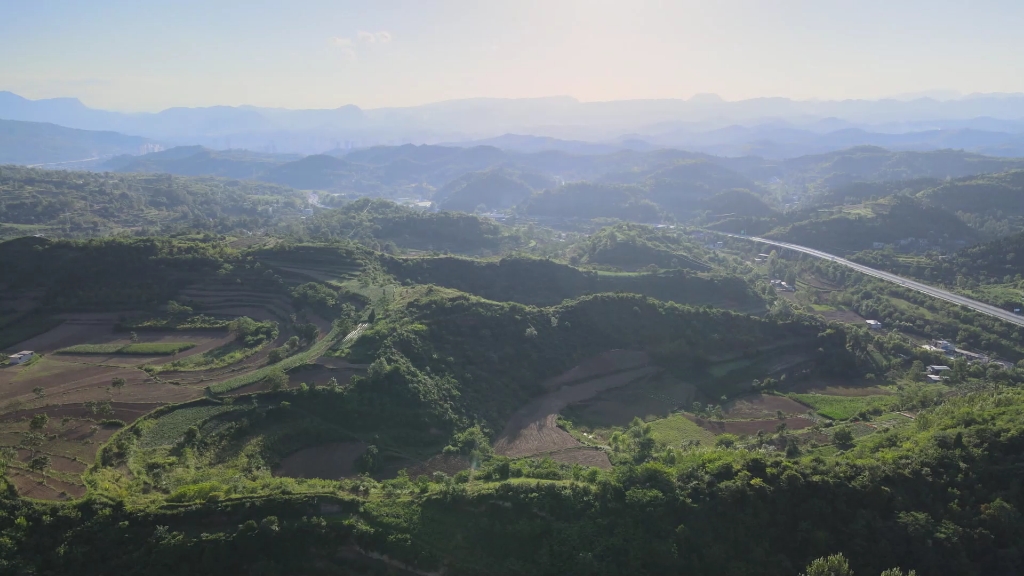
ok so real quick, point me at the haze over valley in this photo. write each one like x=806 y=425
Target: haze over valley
x=528 y=288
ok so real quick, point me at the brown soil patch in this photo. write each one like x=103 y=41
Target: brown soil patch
x=129 y=412
x=66 y=379
x=655 y=398
x=604 y=363
x=582 y=455
x=28 y=485
x=761 y=406
x=533 y=428
x=328 y=461
x=76 y=329
x=751 y=427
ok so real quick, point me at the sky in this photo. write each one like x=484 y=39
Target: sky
x=154 y=54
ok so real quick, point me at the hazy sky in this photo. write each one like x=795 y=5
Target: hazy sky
x=154 y=54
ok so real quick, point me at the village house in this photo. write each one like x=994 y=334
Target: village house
x=21 y=357
x=874 y=324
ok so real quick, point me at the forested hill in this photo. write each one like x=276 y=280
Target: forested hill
x=897 y=220
x=1002 y=192
x=385 y=226
x=674 y=177
x=93 y=204
x=491 y=190
x=871 y=163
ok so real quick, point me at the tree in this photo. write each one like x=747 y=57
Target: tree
x=39 y=392
x=916 y=371
x=834 y=565
x=32 y=440
x=276 y=355
x=118 y=383
x=38 y=422
x=39 y=463
x=726 y=440
x=276 y=379
x=843 y=436
x=369 y=461
x=133 y=337
x=178 y=310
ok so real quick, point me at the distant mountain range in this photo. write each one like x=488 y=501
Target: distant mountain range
x=642 y=186
x=769 y=127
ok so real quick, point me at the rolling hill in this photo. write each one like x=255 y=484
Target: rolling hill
x=493 y=189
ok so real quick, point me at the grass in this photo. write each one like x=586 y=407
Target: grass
x=843 y=407
x=676 y=429
x=145 y=349
x=314 y=351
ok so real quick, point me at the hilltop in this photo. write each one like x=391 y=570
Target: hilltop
x=493 y=190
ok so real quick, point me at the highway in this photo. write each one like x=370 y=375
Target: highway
x=979 y=307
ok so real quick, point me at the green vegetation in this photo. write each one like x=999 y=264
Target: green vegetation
x=378 y=223
x=85 y=204
x=198 y=322
x=171 y=428
x=545 y=282
x=375 y=440
x=633 y=246
x=143 y=349
x=490 y=190
x=678 y=430
x=250 y=338
x=311 y=353
x=845 y=407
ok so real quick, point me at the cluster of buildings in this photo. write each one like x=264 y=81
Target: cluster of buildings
x=782 y=285
x=950 y=350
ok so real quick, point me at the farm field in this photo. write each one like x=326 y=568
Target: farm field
x=139 y=349
x=327 y=461
x=845 y=407
x=533 y=429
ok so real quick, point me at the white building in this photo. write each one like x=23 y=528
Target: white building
x=874 y=324
x=21 y=357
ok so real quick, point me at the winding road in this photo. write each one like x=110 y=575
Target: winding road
x=979 y=307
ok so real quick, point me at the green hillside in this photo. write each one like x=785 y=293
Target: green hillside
x=378 y=223
x=902 y=221
x=80 y=204
x=872 y=163
x=635 y=246
x=979 y=194
x=492 y=190
x=547 y=283
x=586 y=200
